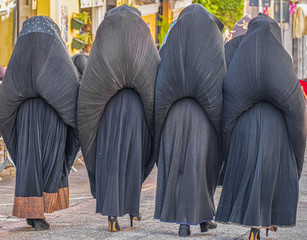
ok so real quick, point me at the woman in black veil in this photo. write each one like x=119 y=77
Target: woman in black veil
x=38 y=103
x=115 y=113
x=263 y=132
x=188 y=103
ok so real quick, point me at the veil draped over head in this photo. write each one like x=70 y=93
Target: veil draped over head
x=123 y=56
x=40 y=67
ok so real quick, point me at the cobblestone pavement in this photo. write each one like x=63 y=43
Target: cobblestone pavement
x=80 y=221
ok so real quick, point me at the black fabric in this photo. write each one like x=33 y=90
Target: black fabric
x=123 y=141
x=188 y=103
x=79 y=61
x=261 y=181
x=234 y=38
x=188 y=165
x=239 y=29
x=231 y=48
x=123 y=56
x=261 y=70
x=263 y=131
x=40 y=68
x=35 y=155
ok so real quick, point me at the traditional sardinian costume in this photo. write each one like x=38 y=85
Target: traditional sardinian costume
x=79 y=61
x=38 y=103
x=115 y=111
x=263 y=131
x=231 y=44
x=234 y=38
x=188 y=103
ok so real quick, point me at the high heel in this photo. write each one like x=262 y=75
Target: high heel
x=113 y=224
x=254 y=234
x=205 y=226
x=39 y=224
x=272 y=228
x=30 y=222
x=134 y=218
x=184 y=230
x=212 y=225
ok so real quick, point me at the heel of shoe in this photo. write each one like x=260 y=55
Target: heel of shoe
x=184 y=230
x=40 y=224
x=131 y=220
x=254 y=234
x=134 y=218
x=113 y=224
x=272 y=228
x=30 y=222
x=204 y=227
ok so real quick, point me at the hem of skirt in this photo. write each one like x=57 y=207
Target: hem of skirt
x=35 y=207
x=192 y=224
x=120 y=215
x=253 y=226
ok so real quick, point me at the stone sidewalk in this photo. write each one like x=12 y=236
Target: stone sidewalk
x=81 y=222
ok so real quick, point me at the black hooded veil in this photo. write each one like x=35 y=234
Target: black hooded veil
x=188 y=103
x=234 y=38
x=263 y=131
x=115 y=110
x=79 y=60
x=38 y=103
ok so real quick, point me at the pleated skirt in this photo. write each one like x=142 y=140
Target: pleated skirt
x=188 y=165
x=41 y=175
x=124 y=146
x=260 y=187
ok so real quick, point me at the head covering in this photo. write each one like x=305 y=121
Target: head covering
x=80 y=61
x=239 y=29
x=123 y=56
x=261 y=70
x=234 y=38
x=192 y=65
x=45 y=71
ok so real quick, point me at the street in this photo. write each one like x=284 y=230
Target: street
x=80 y=221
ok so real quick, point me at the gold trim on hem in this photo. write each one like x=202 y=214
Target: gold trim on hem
x=34 y=207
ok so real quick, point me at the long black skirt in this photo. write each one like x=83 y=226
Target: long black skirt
x=188 y=165
x=41 y=175
x=123 y=147
x=260 y=187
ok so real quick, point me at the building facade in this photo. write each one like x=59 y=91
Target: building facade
x=14 y=12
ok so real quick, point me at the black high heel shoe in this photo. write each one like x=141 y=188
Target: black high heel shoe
x=254 y=234
x=205 y=226
x=272 y=228
x=38 y=224
x=184 y=230
x=134 y=218
x=30 y=222
x=113 y=224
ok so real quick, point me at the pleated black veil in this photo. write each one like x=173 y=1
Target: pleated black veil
x=188 y=104
x=40 y=67
x=192 y=65
x=267 y=76
x=123 y=56
x=38 y=112
x=263 y=130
